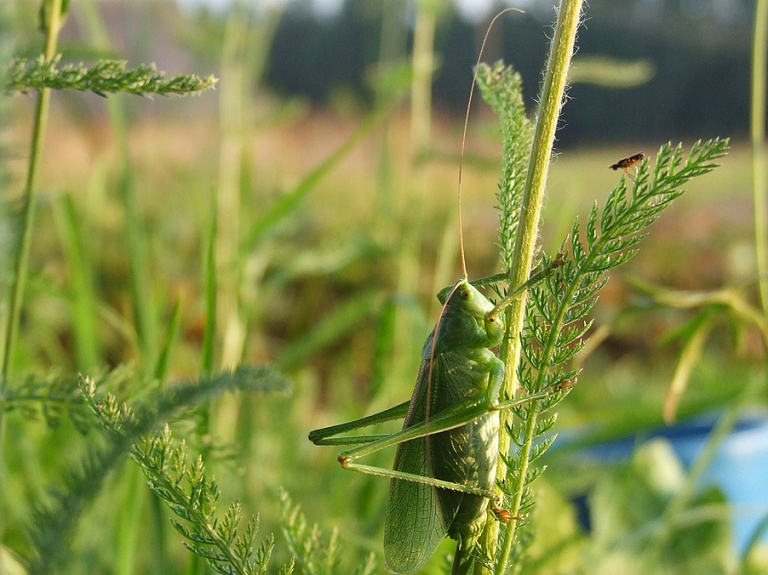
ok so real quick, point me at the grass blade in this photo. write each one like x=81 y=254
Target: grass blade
x=81 y=285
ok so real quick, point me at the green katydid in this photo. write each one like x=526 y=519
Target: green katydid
x=443 y=484
x=445 y=468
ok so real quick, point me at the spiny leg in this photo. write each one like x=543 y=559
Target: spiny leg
x=325 y=435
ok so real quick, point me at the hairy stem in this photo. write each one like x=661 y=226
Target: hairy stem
x=759 y=47
x=551 y=101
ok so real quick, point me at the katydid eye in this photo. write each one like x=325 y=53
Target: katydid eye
x=464 y=294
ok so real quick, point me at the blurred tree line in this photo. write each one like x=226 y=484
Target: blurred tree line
x=696 y=53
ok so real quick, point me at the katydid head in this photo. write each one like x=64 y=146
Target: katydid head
x=465 y=298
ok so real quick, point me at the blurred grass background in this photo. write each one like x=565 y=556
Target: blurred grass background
x=331 y=279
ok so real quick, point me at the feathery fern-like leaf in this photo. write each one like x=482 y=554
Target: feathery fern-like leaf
x=104 y=77
x=193 y=498
x=556 y=316
x=55 y=522
x=502 y=88
x=316 y=553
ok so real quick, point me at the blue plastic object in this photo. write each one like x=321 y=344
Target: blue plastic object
x=739 y=468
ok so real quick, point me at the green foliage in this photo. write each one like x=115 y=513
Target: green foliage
x=104 y=77
x=611 y=72
x=45 y=15
x=502 y=88
x=315 y=554
x=556 y=320
x=162 y=403
x=49 y=397
x=81 y=284
x=556 y=317
x=336 y=325
x=184 y=488
x=125 y=425
x=287 y=203
x=628 y=507
x=556 y=325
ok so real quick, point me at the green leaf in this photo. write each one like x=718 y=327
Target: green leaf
x=104 y=77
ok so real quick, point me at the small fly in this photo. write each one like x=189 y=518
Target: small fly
x=626 y=163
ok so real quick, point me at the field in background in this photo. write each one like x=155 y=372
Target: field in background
x=370 y=233
x=355 y=218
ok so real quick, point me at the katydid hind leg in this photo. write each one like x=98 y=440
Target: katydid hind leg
x=320 y=436
x=456 y=417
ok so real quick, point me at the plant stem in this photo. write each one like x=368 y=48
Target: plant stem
x=423 y=69
x=209 y=266
x=759 y=46
x=28 y=217
x=234 y=123
x=551 y=101
x=30 y=197
x=54 y=23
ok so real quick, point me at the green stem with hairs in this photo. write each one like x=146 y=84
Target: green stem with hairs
x=759 y=47
x=551 y=101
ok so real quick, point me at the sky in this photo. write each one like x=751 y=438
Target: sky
x=472 y=10
x=476 y=10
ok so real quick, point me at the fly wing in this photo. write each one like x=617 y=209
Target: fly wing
x=415 y=524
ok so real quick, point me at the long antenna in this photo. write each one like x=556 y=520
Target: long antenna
x=464 y=134
x=435 y=333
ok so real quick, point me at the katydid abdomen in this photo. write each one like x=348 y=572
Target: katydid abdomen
x=457 y=365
